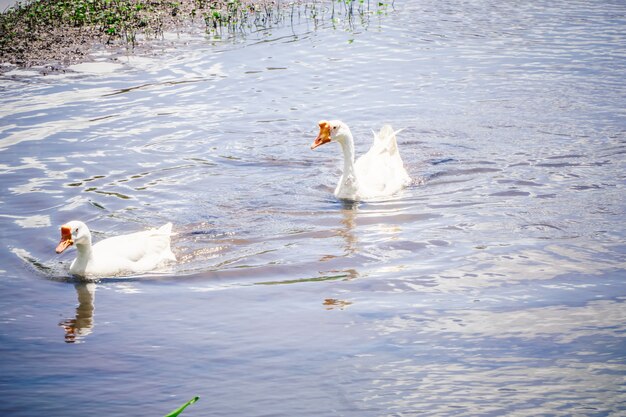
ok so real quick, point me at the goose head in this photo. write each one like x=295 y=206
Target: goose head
x=73 y=233
x=330 y=131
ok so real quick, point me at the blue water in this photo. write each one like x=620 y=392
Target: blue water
x=494 y=285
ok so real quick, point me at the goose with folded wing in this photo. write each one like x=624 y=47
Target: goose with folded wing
x=136 y=252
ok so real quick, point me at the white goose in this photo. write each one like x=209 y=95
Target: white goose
x=135 y=252
x=379 y=173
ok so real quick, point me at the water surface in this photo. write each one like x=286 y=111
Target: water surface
x=494 y=285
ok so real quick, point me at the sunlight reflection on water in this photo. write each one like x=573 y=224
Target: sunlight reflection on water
x=493 y=285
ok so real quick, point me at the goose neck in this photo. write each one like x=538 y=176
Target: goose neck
x=84 y=251
x=347 y=145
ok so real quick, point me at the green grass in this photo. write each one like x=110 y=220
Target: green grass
x=179 y=410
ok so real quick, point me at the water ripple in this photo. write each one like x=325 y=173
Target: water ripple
x=490 y=286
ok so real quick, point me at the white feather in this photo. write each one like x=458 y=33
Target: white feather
x=378 y=173
x=125 y=254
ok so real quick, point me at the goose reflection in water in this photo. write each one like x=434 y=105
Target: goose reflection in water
x=82 y=323
x=348 y=220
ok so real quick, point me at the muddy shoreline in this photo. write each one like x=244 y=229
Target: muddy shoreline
x=50 y=38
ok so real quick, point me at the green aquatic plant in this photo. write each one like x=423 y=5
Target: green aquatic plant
x=182 y=408
x=65 y=31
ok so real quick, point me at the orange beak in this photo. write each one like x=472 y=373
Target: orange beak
x=324 y=135
x=66 y=239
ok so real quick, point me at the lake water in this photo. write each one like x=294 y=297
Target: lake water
x=494 y=285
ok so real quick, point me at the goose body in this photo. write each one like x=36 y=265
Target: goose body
x=118 y=255
x=378 y=173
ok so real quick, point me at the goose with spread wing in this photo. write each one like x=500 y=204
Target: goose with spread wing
x=377 y=174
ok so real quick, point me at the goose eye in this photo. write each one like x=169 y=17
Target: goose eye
x=76 y=230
